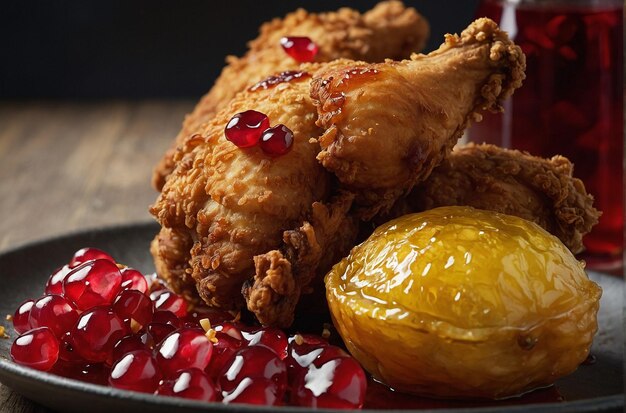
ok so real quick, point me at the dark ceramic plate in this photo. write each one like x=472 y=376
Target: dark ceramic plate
x=592 y=388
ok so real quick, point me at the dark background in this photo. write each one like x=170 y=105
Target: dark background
x=150 y=48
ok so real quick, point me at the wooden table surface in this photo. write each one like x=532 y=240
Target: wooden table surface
x=68 y=166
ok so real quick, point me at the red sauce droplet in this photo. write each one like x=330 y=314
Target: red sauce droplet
x=301 y=49
x=277 y=140
x=282 y=77
x=245 y=128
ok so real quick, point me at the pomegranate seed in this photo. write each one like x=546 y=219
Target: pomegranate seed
x=223 y=351
x=272 y=338
x=167 y=300
x=276 y=140
x=125 y=346
x=96 y=333
x=137 y=371
x=301 y=49
x=229 y=329
x=338 y=383
x=133 y=305
x=88 y=254
x=55 y=312
x=262 y=392
x=166 y=317
x=38 y=349
x=245 y=128
x=92 y=284
x=190 y=384
x=185 y=348
x=21 y=317
x=55 y=282
x=261 y=365
x=133 y=280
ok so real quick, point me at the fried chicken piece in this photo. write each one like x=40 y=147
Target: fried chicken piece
x=267 y=226
x=388 y=125
x=512 y=182
x=389 y=30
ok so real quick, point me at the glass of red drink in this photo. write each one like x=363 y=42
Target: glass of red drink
x=571 y=103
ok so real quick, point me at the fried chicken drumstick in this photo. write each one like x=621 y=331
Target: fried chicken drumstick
x=238 y=221
x=512 y=182
x=389 y=30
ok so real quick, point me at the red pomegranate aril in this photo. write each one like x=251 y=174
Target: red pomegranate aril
x=272 y=338
x=191 y=384
x=230 y=329
x=166 y=317
x=125 y=346
x=38 y=349
x=21 y=317
x=301 y=49
x=223 y=351
x=339 y=383
x=55 y=312
x=137 y=371
x=277 y=140
x=134 y=305
x=96 y=373
x=92 y=284
x=96 y=333
x=254 y=362
x=88 y=254
x=166 y=300
x=158 y=331
x=184 y=348
x=133 y=280
x=55 y=282
x=245 y=128
x=261 y=392
x=66 y=350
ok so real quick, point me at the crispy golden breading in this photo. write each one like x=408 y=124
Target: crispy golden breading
x=389 y=30
x=388 y=125
x=267 y=226
x=512 y=182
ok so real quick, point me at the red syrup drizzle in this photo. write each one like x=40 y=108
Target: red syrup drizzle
x=283 y=77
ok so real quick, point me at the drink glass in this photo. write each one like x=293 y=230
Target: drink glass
x=571 y=102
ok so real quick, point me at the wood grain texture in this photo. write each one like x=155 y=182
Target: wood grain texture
x=71 y=166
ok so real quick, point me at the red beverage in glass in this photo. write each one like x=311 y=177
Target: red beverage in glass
x=571 y=102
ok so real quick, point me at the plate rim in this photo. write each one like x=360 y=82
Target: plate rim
x=9 y=368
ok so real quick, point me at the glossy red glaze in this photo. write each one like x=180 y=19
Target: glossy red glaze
x=92 y=284
x=55 y=312
x=38 y=349
x=96 y=333
x=190 y=384
x=87 y=254
x=21 y=317
x=245 y=128
x=301 y=49
x=184 y=348
x=277 y=140
x=282 y=77
x=272 y=338
x=137 y=371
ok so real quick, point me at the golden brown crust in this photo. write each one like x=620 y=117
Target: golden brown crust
x=387 y=125
x=512 y=182
x=390 y=30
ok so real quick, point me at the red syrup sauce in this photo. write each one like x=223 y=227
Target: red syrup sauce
x=571 y=103
x=283 y=77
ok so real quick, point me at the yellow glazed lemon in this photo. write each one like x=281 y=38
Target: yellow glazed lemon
x=459 y=302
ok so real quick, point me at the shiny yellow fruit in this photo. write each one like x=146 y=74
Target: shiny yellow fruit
x=459 y=302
